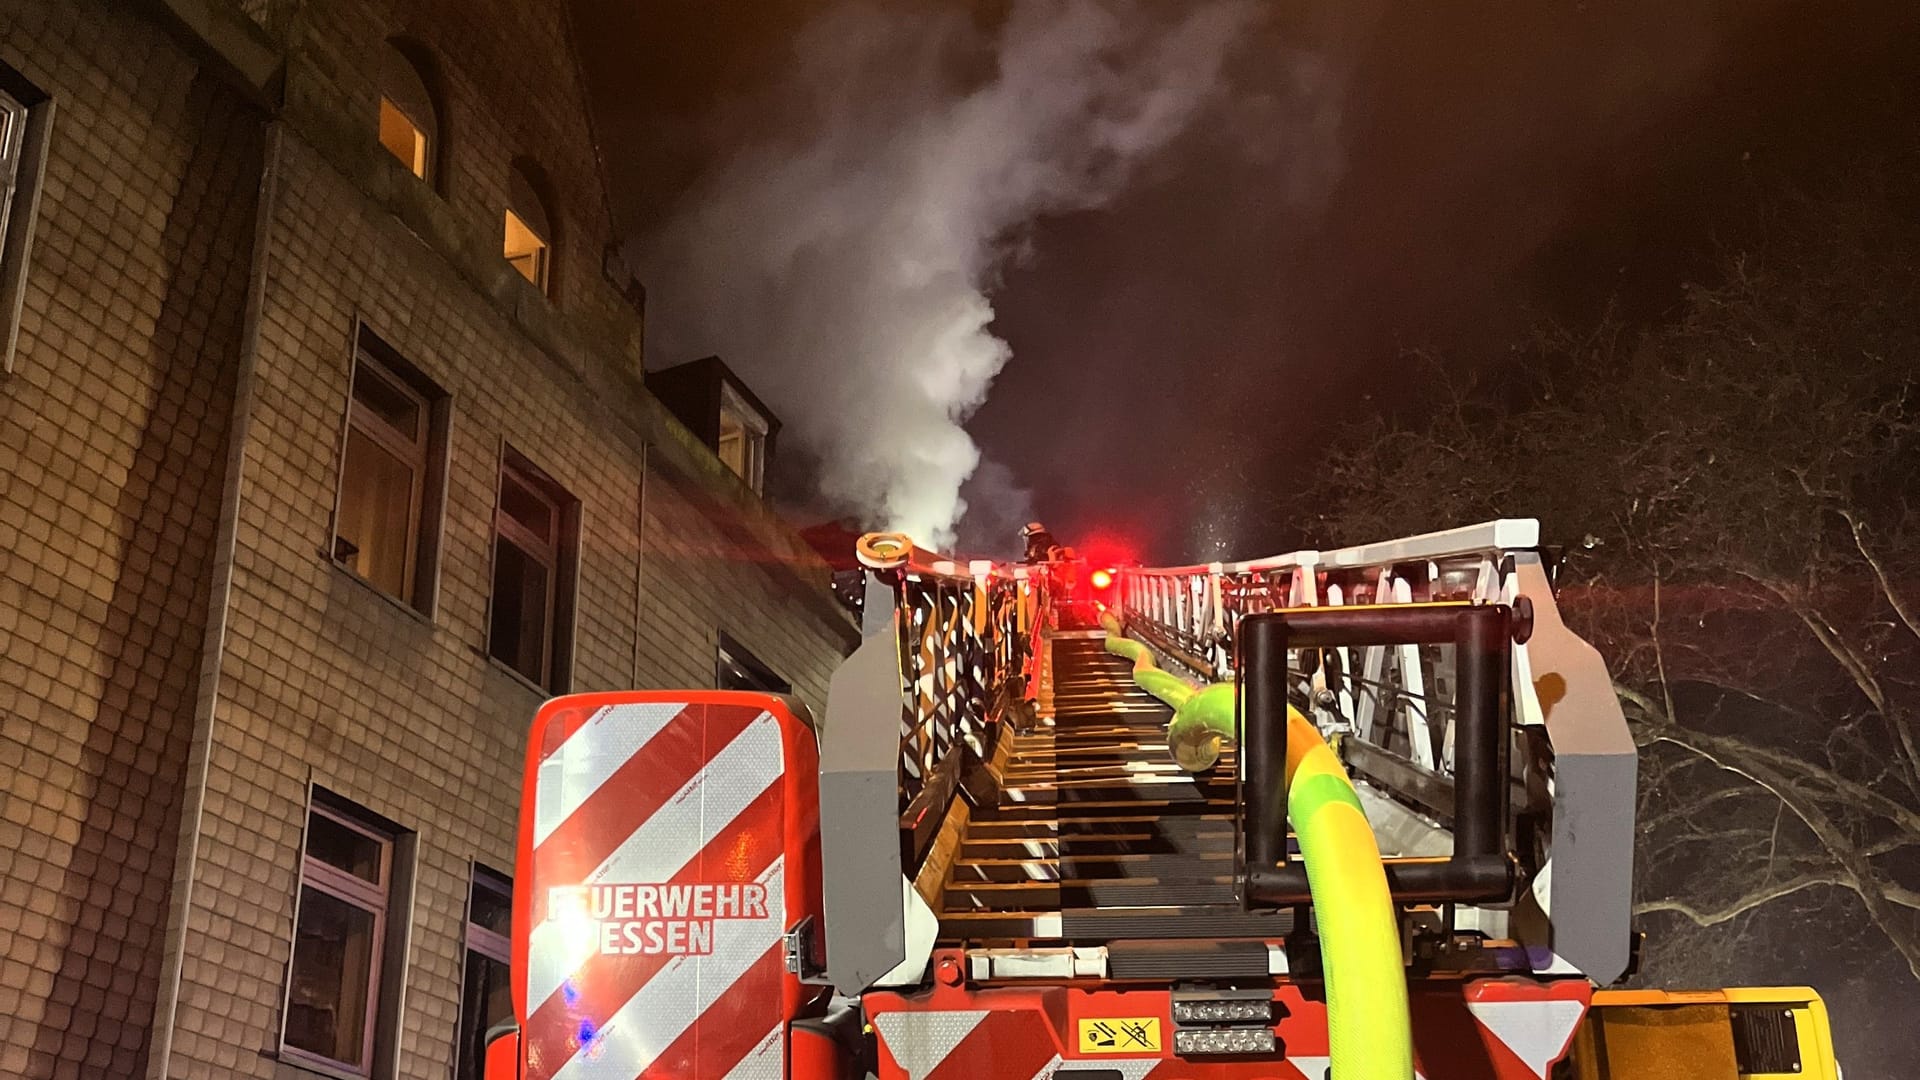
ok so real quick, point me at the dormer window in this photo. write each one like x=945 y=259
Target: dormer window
x=403 y=138
x=409 y=121
x=722 y=412
x=529 y=230
x=743 y=437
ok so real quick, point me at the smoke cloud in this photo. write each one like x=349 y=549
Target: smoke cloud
x=844 y=267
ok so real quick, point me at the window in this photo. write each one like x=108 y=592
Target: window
x=26 y=115
x=741 y=670
x=743 y=437
x=409 y=120
x=403 y=138
x=529 y=229
x=342 y=939
x=13 y=137
x=487 y=995
x=392 y=476
x=534 y=529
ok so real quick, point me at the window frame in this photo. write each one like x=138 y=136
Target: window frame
x=427 y=499
x=542 y=255
x=541 y=552
x=729 y=654
x=754 y=429
x=416 y=455
x=489 y=944
x=351 y=889
x=30 y=114
x=408 y=61
x=422 y=164
x=13 y=147
x=530 y=197
x=560 y=558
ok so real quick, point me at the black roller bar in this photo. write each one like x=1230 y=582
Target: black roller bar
x=1480 y=868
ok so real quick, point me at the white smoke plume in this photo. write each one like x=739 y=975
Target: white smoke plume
x=844 y=267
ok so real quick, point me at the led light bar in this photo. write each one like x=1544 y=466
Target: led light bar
x=1202 y=1012
x=1223 y=1041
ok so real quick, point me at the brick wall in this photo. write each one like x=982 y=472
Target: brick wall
x=118 y=414
x=508 y=89
x=270 y=15
x=113 y=425
x=699 y=579
x=323 y=681
x=127 y=386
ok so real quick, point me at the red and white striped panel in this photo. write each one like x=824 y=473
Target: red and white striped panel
x=652 y=890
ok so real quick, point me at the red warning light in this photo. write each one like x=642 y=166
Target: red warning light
x=1100 y=579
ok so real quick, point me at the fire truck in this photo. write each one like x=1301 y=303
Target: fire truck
x=1364 y=814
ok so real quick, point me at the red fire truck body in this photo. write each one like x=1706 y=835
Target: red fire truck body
x=702 y=892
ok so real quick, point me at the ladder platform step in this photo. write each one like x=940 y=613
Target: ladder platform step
x=1187 y=960
x=1092 y=825
x=1179 y=867
x=1032 y=808
x=1112 y=893
x=1085 y=927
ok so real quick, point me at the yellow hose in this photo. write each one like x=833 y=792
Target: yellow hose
x=1202 y=718
x=1369 y=1034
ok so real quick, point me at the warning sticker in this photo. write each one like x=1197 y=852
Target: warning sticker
x=1120 y=1035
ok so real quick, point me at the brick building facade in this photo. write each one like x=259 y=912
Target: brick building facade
x=309 y=497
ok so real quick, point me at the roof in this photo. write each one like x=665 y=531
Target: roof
x=711 y=369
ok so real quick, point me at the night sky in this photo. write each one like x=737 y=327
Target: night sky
x=1371 y=180
x=1379 y=177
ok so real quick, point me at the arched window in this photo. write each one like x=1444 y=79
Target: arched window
x=529 y=227
x=409 y=116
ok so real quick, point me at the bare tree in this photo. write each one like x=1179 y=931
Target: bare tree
x=1737 y=488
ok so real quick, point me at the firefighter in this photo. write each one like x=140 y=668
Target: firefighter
x=1066 y=572
x=1039 y=543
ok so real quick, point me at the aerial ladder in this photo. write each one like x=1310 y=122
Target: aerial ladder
x=1364 y=814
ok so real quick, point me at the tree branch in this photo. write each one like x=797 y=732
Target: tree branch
x=1659 y=655
x=1857 y=669
x=1893 y=597
x=1805 y=777
x=1757 y=897
x=1824 y=633
x=1843 y=653
x=1889 y=844
x=1876 y=892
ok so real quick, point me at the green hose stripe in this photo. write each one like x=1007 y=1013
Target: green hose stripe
x=1211 y=709
x=1169 y=688
x=1309 y=795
